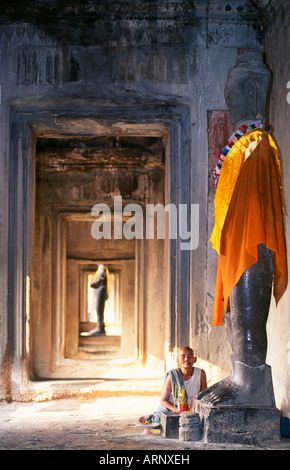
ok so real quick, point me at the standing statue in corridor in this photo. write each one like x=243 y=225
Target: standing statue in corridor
x=248 y=236
x=100 y=284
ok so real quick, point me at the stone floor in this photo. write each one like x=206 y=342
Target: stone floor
x=98 y=423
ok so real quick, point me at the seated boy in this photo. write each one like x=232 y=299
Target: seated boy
x=185 y=381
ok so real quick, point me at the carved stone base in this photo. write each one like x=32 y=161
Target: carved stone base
x=241 y=425
x=189 y=427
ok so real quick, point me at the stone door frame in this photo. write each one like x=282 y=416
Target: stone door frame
x=27 y=122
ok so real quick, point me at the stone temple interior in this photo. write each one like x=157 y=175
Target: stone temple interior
x=106 y=103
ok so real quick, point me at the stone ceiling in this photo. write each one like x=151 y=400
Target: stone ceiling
x=43 y=11
x=59 y=155
x=87 y=22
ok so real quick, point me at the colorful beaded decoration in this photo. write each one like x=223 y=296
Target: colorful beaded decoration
x=233 y=139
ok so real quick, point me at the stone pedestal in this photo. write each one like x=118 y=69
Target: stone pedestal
x=190 y=427
x=238 y=424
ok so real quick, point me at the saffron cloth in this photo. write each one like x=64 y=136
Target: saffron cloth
x=248 y=211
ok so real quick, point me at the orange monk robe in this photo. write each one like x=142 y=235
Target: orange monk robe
x=250 y=212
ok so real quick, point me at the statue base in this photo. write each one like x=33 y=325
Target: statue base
x=238 y=424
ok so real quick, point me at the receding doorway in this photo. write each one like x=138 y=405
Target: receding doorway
x=67 y=155
x=71 y=176
x=91 y=345
x=119 y=315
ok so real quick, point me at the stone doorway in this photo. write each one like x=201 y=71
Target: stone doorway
x=160 y=320
x=72 y=175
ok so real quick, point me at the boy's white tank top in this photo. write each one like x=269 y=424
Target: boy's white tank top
x=192 y=385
